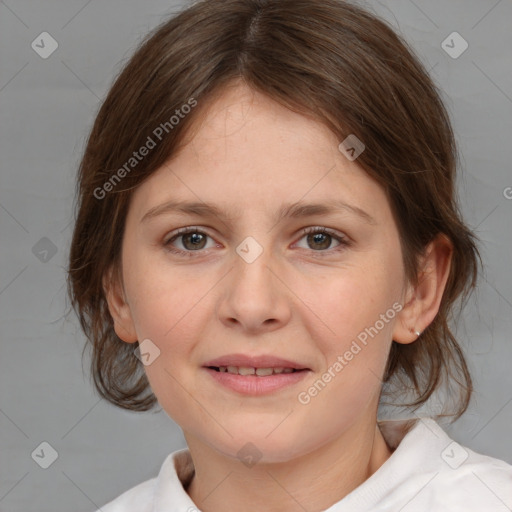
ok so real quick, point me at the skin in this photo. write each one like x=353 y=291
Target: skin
x=303 y=299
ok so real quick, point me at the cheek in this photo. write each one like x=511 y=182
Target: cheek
x=350 y=301
x=170 y=316
x=162 y=297
x=167 y=308
x=354 y=336
x=355 y=311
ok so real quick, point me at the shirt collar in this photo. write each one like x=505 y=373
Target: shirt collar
x=174 y=477
x=178 y=469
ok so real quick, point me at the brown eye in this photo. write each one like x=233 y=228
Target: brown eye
x=319 y=241
x=187 y=241
x=194 y=241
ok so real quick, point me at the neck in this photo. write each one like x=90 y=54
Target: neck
x=313 y=482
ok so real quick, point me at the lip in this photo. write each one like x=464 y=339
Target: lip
x=254 y=385
x=261 y=361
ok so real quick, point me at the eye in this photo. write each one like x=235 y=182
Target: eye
x=319 y=239
x=191 y=240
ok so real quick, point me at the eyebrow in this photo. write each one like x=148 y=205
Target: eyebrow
x=291 y=210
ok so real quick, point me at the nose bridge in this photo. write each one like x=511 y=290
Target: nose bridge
x=252 y=264
x=253 y=296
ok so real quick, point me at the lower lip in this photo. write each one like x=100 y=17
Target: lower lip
x=254 y=385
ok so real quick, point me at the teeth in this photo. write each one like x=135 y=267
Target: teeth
x=260 y=372
x=246 y=371
x=263 y=372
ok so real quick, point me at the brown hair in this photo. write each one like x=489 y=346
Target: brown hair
x=326 y=59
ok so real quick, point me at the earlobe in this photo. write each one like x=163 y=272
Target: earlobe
x=424 y=299
x=405 y=330
x=118 y=307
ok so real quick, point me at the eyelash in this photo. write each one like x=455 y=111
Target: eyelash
x=343 y=241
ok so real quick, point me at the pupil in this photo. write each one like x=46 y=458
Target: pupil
x=317 y=238
x=195 y=239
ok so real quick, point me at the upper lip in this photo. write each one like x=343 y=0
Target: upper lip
x=262 y=361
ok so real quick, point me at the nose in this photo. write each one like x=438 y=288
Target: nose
x=255 y=300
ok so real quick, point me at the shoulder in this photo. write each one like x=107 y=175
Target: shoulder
x=471 y=479
x=433 y=472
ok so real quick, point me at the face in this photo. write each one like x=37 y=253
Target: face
x=265 y=281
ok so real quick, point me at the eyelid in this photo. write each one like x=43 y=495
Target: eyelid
x=323 y=229
x=183 y=231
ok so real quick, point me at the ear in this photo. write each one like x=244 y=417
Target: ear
x=118 y=307
x=422 y=301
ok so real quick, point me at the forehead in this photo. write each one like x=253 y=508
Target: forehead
x=248 y=151
x=239 y=115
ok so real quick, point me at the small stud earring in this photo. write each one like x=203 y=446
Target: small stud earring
x=418 y=333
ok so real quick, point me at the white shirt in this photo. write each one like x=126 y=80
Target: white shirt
x=427 y=472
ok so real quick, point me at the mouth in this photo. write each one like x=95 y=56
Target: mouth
x=259 y=365
x=255 y=375
x=257 y=372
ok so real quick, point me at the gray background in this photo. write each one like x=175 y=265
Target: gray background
x=47 y=107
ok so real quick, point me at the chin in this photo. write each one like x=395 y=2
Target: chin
x=264 y=445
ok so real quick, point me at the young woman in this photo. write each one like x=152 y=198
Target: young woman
x=267 y=243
